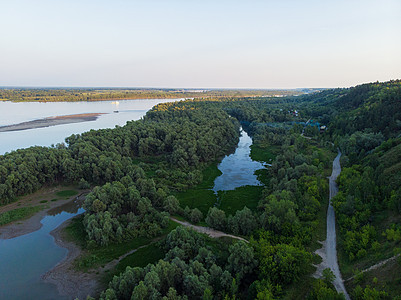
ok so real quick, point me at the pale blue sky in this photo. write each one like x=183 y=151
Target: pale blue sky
x=229 y=44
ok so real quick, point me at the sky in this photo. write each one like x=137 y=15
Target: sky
x=199 y=43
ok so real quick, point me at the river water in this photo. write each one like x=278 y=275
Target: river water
x=26 y=258
x=14 y=113
x=238 y=169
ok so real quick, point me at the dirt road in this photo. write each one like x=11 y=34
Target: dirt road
x=209 y=231
x=329 y=250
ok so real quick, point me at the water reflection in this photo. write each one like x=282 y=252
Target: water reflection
x=71 y=207
x=26 y=258
x=238 y=168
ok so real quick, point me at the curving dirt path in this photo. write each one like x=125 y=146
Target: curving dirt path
x=376 y=266
x=206 y=230
x=329 y=251
x=78 y=284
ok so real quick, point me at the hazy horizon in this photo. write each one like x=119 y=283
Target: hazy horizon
x=185 y=44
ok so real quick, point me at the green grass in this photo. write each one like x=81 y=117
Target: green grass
x=75 y=232
x=18 y=214
x=141 y=258
x=201 y=199
x=67 y=193
x=264 y=153
x=43 y=201
x=201 y=196
x=100 y=255
x=231 y=201
x=209 y=175
x=264 y=175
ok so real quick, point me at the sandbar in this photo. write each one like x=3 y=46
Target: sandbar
x=51 y=121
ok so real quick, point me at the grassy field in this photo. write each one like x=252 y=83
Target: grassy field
x=46 y=194
x=267 y=154
x=201 y=196
x=67 y=193
x=18 y=214
x=96 y=256
x=141 y=258
x=264 y=153
x=231 y=201
x=26 y=206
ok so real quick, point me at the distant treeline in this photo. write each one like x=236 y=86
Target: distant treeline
x=138 y=168
x=89 y=94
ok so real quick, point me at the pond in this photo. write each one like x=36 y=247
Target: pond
x=238 y=169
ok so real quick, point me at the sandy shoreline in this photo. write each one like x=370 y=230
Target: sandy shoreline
x=51 y=121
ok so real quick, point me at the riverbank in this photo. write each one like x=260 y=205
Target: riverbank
x=55 y=200
x=51 y=121
x=69 y=282
x=52 y=199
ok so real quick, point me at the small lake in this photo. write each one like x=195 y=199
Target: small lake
x=238 y=169
x=14 y=113
x=26 y=258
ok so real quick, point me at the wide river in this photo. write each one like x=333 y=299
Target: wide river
x=14 y=113
x=24 y=259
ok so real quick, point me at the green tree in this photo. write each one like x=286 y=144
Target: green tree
x=241 y=261
x=216 y=218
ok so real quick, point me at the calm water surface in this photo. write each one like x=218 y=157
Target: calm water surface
x=14 y=113
x=24 y=259
x=238 y=168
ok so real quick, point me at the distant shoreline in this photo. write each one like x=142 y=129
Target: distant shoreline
x=51 y=121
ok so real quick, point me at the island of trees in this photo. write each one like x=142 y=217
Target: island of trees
x=164 y=164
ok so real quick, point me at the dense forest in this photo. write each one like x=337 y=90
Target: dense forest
x=140 y=172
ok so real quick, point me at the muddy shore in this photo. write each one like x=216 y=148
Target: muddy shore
x=21 y=227
x=51 y=121
x=69 y=282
